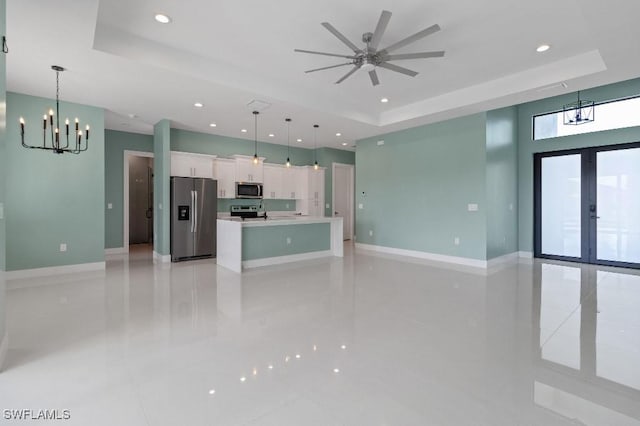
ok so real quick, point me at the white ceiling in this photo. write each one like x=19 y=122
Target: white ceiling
x=226 y=53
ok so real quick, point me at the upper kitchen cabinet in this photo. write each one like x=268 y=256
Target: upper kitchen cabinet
x=191 y=165
x=225 y=173
x=246 y=171
x=273 y=181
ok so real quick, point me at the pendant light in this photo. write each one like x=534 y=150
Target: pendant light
x=255 y=147
x=57 y=147
x=315 y=142
x=579 y=112
x=288 y=120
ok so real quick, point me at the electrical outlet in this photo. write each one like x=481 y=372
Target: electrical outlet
x=63 y=247
x=472 y=207
x=287 y=205
x=456 y=241
x=110 y=206
x=328 y=206
x=288 y=240
x=371 y=233
x=511 y=207
x=361 y=206
x=159 y=206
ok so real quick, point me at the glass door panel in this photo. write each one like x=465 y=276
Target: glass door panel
x=561 y=202
x=618 y=205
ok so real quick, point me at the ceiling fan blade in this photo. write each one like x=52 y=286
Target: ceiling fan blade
x=374 y=77
x=347 y=75
x=417 y=36
x=313 y=52
x=385 y=16
x=329 y=67
x=421 y=55
x=341 y=37
x=397 y=69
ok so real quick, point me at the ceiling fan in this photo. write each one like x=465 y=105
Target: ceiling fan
x=369 y=57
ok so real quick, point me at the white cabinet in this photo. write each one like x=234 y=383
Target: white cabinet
x=246 y=171
x=273 y=181
x=191 y=165
x=289 y=183
x=310 y=188
x=225 y=174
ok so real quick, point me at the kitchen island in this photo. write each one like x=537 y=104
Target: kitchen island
x=258 y=242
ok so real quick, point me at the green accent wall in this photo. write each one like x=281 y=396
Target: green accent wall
x=527 y=147
x=225 y=147
x=115 y=143
x=326 y=158
x=50 y=198
x=259 y=242
x=161 y=187
x=502 y=182
x=415 y=188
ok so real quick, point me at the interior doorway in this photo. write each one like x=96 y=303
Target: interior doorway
x=343 y=197
x=587 y=205
x=138 y=199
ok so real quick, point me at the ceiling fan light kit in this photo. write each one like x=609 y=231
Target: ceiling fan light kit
x=370 y=57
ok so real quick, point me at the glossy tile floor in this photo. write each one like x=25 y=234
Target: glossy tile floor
x=364 y=340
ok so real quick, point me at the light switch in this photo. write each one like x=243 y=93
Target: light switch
x=159 y=206
x=110 y=206
x=472 y=207
x=360 y=206
x=63 y=247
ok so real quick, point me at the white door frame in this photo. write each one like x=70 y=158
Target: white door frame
x=125 y=202
x=352 y=191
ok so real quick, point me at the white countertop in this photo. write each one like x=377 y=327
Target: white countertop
x=281 y=220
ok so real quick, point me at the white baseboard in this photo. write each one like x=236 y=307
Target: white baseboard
x=162 y=258
x=116 y=250
x=525 y=254
x=499 y=261
x=475 y=263
x=256 y=263
x=55 y=270
x=4 y=349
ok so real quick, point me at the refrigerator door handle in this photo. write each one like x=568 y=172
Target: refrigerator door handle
x=192 y=210
x=195 y=211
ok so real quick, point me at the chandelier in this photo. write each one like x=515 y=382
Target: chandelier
x=579 y=112
x=55 y=145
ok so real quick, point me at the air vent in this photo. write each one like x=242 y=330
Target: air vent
x=257 y=105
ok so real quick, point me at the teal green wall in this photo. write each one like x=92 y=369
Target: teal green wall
x=417 y=187
x=502 y=182
x=53 y=199
x=225 y=147
x=326 y=158
x=115 y=143
x=260 y=242
x=527 y=147
x=161 y=187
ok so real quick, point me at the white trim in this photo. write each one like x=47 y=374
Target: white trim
x=162 y=258
x=525 y=254
x=125 y=191
x=424 y=255
x=4 y=348
x=55 y=270
x=352 y=191
x=498 y=261
x=116 y=250
x=285 y=259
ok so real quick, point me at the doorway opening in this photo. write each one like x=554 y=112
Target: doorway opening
x=343 y=197
x=138 y=201
x=587 y=205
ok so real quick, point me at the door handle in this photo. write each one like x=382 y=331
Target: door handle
x=192 y=211
x=195 y=211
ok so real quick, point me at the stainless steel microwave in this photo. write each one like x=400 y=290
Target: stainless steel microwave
x=248 y=190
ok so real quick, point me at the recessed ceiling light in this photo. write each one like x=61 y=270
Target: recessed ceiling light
x=338 y=134
x=344 y=144
x=543 y=48
x=271 y=135
x=212 y=125
x=384 y=100
x=198 y=105
x=162 y=18
x=212 y=391
x=243 y=379
x=244 y=130
x=299 y=140
x=336 y=370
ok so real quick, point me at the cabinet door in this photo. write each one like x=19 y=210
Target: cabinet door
x=202 y=166
x=246 y=171
x=225 y=175
x=273 y=181
x=289 y=183
x=302 y=183
x=180 y=165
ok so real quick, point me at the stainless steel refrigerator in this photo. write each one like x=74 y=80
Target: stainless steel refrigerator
x=194 y=211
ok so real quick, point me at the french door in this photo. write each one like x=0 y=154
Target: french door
x=587 y=205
